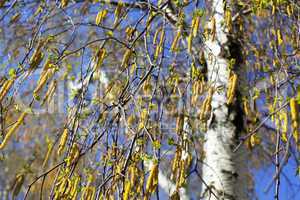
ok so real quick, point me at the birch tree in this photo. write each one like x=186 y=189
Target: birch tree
x=148 y=99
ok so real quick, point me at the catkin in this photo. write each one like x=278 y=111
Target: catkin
x=228 y=19
x=74 y=191
x=156 y=35
x=127 y=190
x=279 y=37
x=284 y=118
x=143 y=119
x=74 y=154
x=179 y=124
x=176 y=39
x=13 y=129
x=126 y=58
x=50 y=91
x=190 y=43
x=195 y=25
x=101 y=16
x=152 y=180
x=294 y=116
x=133 y=172
x=5 y=88
x=37 y=55
x=206 y=106
x=181 y=174
x=64 y=3
x=289 y=10
x=50 y=147
x=159 y=47
x=246 y=106
x=118 y=12
x=43 y=80
x=63 y=141
x=100 y=57
x=175 y=164
x=231 y=89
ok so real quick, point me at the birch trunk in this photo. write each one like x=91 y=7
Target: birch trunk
x=223 y=171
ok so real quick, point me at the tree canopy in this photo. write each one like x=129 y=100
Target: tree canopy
x=114 y=99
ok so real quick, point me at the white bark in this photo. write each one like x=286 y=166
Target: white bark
x=222 y=169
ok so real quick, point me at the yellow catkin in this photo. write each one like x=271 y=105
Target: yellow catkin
x=140 y=185
x=190 y=43
x=50 y=147
x=149 y=19
x=15 y=18
x=147 y=87
x=289 y=10
x=179 y=124
x=62 y=187
x=175 y=41
x=231 y=89
x=134 y=172
x=64 y=3
x=47 y=65
x=50 y=91
x=195 y=25
x=228 y=19
x=91 y=193
x=100 y=57
x=5 y=88
x=126 y=58
x=152 y=180
x=159 y=47
x=284 y=118
x=74 y=190
x=254 y=140
x=156 y=35
x=101 y=16
x=74 y=154
x=175 y=164
x=43 y=80
x=13 y=129
x=195 y=91
x=294 y=116
x=206 y=106
x=273 y=9
x=88 y=193
x=68 y=187
x=246 y=106
x=279 y=37
x=63 y=141
x=181 y=174
x=131 y=120
x=129 y=32
x=143 y=119
x=118 y=11
x=37 y=55
x=127 y=189
x=229 y=86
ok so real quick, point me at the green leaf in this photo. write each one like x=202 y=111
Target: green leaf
x=171 y=141
x=12 y=73
x=156 y=144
